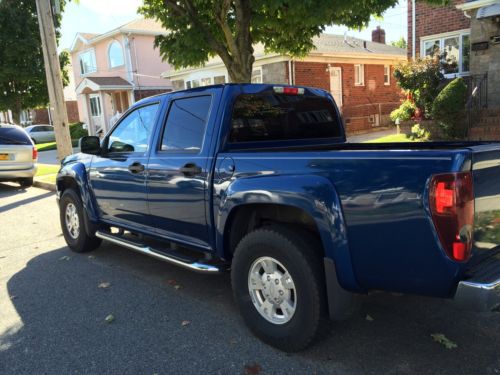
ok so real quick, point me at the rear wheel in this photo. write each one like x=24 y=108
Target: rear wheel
x=278 y=285
x=34 y=140
x=26 y=182
x=73 y=223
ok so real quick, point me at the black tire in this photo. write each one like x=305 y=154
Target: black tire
x=295 y=251
x=26 y=182
x=82 y=242
x=34 y=142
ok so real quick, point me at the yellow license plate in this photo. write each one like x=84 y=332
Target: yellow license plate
x=4 y=156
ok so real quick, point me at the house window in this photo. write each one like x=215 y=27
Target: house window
x=387 y=75
x=87 y=62
x=219 y=80
x=359 y=75
x=206 y=81
x=455 y=51
x=115 y=54
x=95 y=106
x=257 y=75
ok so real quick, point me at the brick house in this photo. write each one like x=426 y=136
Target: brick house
x=469 y=32
x=358 y=73
x=115 y=69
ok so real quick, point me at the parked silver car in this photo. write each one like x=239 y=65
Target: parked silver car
x=41 y=133
x=18 y=155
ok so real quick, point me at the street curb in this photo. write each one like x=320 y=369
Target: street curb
x=44 y=185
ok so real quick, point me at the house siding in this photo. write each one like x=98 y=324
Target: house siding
x=431 y=20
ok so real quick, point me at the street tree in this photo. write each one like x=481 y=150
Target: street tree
x=400 y=43
x=22 y=76
x=200 y=29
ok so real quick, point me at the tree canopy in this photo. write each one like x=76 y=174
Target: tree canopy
x=22 y=75
x=400 y=43
x=200 y=29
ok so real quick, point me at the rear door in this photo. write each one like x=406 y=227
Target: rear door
x=16 y=149
x=178 y=169
x=486 y=172
x=118 y=175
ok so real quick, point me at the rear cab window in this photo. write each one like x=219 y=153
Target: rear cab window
x=281 y=117
x=13 y=136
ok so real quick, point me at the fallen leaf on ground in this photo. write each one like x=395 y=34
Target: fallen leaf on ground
x=109 y=318
x=369 y=318
x=177 y=287
x=185 y=323
x=104 y=285
x=253 y=369
x=171 y=282
x=443 y=340
x=91 y=257
x=65 y=257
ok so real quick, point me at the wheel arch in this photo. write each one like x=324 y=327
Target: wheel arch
x=308 y=201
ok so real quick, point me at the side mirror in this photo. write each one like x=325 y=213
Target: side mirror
x=90 y=145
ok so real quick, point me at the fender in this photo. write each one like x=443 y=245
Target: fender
x=77 y=172
x=313 y=194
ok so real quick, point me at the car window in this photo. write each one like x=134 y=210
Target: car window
x=132 y=134
x=185 y=125
x=280 y=117
x=48 y=128
x=13 y=136
x=36 y=129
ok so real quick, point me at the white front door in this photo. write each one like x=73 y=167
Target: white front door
x=95 y=111
x=336 y=85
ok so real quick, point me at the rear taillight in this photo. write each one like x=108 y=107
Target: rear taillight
x=451 y=198
x=34 y=153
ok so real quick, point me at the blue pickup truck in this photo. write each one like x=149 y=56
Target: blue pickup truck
x=259 y=180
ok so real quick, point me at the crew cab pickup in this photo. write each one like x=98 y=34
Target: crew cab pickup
x=259 y=180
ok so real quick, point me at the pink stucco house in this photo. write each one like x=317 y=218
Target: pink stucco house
x=115 y=69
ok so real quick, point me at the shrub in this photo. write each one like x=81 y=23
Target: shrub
x=449 y=108
x=405 y=111
x=421 y=79
x=77 y=131
x=419 y=133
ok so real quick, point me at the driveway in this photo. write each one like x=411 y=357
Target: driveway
x=167 y=320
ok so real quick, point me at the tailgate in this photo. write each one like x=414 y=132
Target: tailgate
x=16 y=157
x=486 y=174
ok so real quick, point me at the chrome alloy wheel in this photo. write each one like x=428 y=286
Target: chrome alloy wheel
x=272 y=290
x=72 y=221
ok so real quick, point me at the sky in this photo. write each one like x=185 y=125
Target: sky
x=99 y=16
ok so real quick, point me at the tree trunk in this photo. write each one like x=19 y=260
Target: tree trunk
x=242 y=73
x=16 y=112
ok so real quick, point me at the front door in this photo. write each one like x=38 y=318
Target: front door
x=336 y=85
x=118 y=175
x=178 y=172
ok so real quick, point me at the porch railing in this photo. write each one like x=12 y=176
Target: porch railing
x=476 y=101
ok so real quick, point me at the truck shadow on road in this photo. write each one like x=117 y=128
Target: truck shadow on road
x=168 y=320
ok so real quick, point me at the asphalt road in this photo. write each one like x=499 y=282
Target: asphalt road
x=52 y=316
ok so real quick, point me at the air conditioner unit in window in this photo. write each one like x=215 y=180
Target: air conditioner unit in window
x=374 y=120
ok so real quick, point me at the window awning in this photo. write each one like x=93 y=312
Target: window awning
x=488 y=11
x=93 y=84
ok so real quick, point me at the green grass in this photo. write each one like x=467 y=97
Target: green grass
x=47 y=173
x=52 y=145
x=391 y=138
x=45 y=169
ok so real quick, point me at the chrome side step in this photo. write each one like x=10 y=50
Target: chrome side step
x=193 y=266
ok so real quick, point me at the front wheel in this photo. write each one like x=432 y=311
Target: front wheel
x=278 y=284
x=73 y=225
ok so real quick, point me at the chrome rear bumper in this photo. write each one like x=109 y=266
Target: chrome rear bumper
x=481 y=292
x=13 y=174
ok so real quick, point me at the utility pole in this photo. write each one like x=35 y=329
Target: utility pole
x=54 y=79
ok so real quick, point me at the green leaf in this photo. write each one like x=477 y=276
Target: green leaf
x=443 y=340
x=109 y=319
